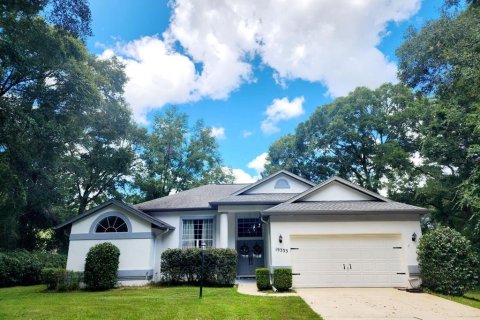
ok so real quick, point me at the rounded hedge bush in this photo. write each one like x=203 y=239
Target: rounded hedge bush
x=263 y=278
x=101 y=266
x=447 y=262
x=282 y=279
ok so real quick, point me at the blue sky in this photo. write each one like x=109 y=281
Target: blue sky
x=252 y=70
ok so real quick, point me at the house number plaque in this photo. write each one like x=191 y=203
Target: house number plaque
x=282 y=250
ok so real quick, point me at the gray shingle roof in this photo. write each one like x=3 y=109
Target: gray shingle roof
x=196 y=198
x=259 y=198
x=348 y=207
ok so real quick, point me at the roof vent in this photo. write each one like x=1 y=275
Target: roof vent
x=281 y=184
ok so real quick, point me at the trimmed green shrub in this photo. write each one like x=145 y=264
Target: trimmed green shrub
x=22 y=267
x=220 y=267
x=101 y=266
x=180 y=265
x=60 y=279
x=282 y=279
x=263 y=278
x=184 y=266
x=447 y=262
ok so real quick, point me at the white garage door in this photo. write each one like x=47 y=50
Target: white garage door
x=348 y=261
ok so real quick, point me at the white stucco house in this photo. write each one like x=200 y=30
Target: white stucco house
x=335 y=234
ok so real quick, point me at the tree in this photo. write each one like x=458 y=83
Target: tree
x=73 y=16
x=177 y=158
x=290 y=153
x=44 y=85
x=55 y=98
x=442 y=60
x=97 y=162
x=367 y=136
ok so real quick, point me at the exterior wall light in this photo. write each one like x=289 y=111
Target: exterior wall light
x=280 y=239
x=414 y=237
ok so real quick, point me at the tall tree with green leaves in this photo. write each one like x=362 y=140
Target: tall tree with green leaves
x=65 y=131
x=176 y=157
x=45 y=83
x=97 y=163
x=442 y=59
x=367 y=137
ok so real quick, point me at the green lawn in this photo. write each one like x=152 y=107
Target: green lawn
x=148 y=303
x=471 y=298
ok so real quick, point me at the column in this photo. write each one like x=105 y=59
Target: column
x=223 y=230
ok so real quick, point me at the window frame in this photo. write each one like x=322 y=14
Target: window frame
x=202 y=217
x=248 y=238
x=93 y=226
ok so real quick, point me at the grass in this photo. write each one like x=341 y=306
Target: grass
x=35 y=302
x=471 y=298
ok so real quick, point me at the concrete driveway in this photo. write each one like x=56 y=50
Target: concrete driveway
x=383 y=303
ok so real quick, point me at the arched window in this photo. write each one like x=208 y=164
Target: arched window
x=281 y=184
x=111 y=224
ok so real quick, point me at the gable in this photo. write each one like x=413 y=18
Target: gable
x=336 y=191
x=85 y=224
x=281 y=183
x=122 y=207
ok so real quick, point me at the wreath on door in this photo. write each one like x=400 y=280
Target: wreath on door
x=244 y=250
x=257 y=251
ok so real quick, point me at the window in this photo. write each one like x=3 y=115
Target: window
x=249 y=228
x=196 y=231
x=281 y=184
x=111 y=224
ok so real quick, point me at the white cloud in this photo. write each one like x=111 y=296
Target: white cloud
x=279 y=110
x=218 y=132
x=243 y=177
x=157 y=75
x=331 y=42
x=246 y=133
x=258 y=164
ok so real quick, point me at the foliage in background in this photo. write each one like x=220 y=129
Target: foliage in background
x=442 y=60
x=367 y=136
x=448 y=262
x=67 y=138
x=184 y=266
x=59 y=279
x=50 y=90
x=178 y=158
x=101 y=266
x=21 y=267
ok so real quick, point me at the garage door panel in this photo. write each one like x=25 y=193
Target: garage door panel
x=309 y=264
x=347 y=261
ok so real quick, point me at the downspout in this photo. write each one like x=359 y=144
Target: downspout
x=155 y=248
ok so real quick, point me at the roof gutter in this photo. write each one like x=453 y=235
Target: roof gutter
x=343 y=213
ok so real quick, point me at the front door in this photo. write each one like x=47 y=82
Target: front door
x=250 y=246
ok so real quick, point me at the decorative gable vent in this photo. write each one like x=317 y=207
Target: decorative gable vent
x=282 y=184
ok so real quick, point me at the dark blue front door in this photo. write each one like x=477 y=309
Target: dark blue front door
x=250 y=257
x=250 y=245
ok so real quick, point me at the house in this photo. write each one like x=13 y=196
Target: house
x=335 y=234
